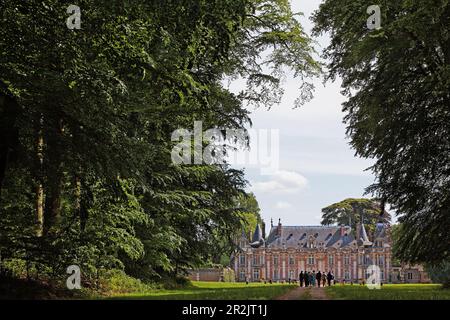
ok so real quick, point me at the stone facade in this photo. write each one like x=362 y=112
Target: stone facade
x=410 y=274
x=211 y=274
x=290 y=249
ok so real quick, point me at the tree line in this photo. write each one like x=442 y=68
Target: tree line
x=86 y=176
x=396 y=82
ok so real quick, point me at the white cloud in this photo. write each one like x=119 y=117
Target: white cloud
x=283 y=205
x=281 y=182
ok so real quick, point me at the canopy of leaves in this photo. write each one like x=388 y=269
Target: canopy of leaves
x=397 y=112
x=87 y=116
x=352 y=211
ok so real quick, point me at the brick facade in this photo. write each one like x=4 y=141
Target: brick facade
x=289 y=250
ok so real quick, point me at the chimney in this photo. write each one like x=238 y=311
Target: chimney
x=279 y=228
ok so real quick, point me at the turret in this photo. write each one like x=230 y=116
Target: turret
x=257 y=239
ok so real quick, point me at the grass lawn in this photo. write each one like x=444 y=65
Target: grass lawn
x=214 y=291
x=389 y=292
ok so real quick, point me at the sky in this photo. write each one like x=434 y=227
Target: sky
x=317 y=166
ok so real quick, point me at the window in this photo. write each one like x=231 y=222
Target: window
x=330 y=260
x=242 y=259
x=242 y=275
x=381 y=260
x=346 y=260
x=311 y=260
x=381 y=274
x=255 y=274
x=275 y=274
x=291 y=260
x=410 y=276
x=255 y=260
x=366 y=260
x=311 y=242
x=261 y=259
x=291 y=274
x=275 y=260
x=347 y=275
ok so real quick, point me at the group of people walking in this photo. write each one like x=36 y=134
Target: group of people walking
x=309 y=279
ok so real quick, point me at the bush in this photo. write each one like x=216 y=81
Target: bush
x=440 y=273
x=176 y=282
x=116 y=281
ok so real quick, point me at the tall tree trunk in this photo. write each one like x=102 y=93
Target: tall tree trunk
x=39 y=187
x=52 y=209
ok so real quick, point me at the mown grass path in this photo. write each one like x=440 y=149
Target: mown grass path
x=213 y=291
x=389 y=292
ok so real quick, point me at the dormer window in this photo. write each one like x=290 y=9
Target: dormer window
x=311 y=242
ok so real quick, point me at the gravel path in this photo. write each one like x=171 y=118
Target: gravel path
x=301 y=293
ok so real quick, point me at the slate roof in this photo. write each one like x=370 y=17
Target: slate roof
x=380 y=230
x=257 y=235
x=257 y=239
x=301 y=236
x=363 y=238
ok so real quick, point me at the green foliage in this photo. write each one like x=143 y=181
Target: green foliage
x=228 y=275
x=86 y=175
x=440 y=273
x=396 y=230
x=396 y=80
x=351 y=211
x=215 y=291
x=389 y=292
x=115 y=281
x=249 y=211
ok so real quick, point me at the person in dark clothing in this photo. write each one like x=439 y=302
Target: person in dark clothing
x=301 y=277
x=318 y=278
x=329 y=278
x=306 y=279
x=324 y=279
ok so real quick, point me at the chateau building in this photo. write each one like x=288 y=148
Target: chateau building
x=290 y=249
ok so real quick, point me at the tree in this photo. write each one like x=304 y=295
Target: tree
x=250 y=212
x=93 y=114
x=396 y=83
x=352 y=211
